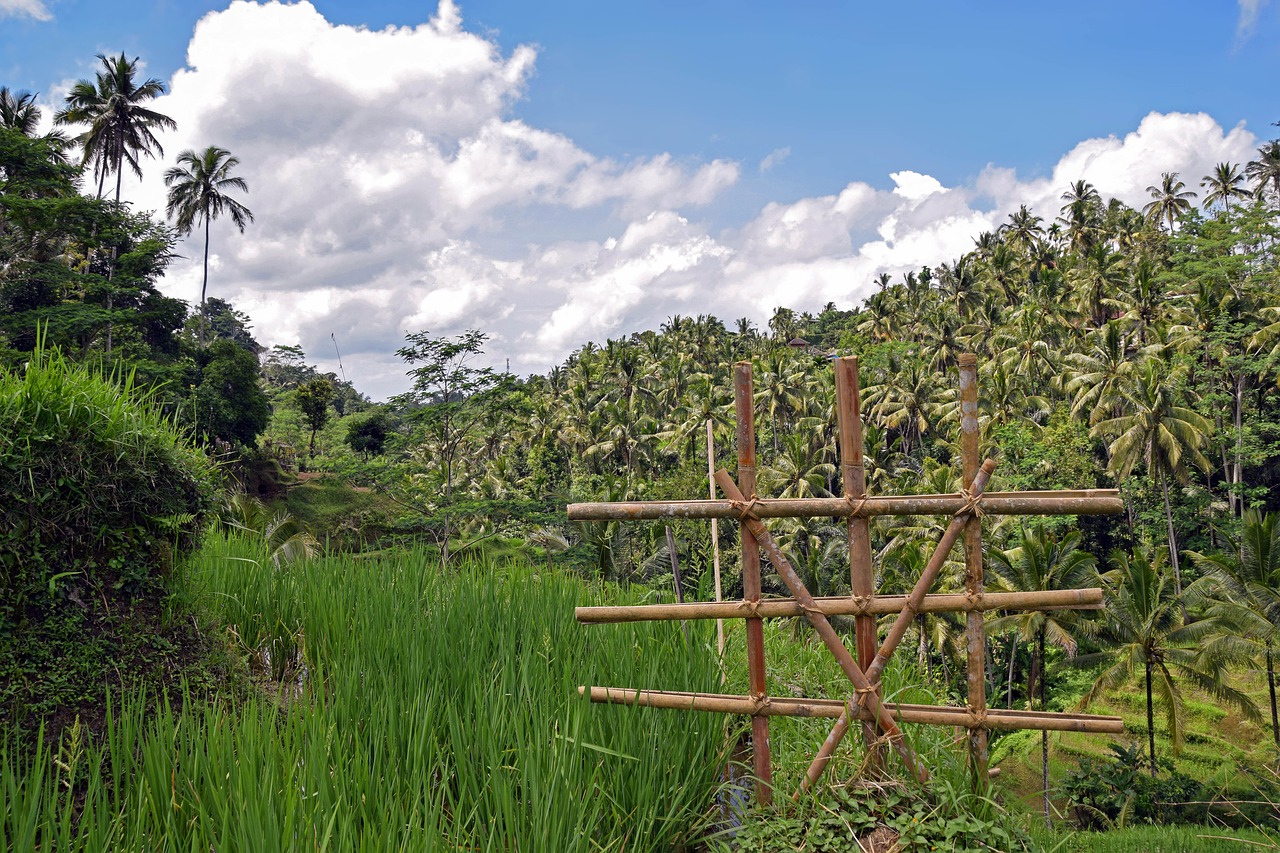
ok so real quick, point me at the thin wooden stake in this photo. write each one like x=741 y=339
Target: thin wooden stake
x=715 y=544
x=675 y=565
x=744 y=409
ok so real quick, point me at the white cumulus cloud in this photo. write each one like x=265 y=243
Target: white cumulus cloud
x=394 y=191
x=25 y=8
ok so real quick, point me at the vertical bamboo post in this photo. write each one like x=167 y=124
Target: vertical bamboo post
x=744 y=409
x=854 y=480
x=975 y=633
x=715 y=542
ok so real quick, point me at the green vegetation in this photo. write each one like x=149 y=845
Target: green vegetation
x=409 y=693
x=408 y=709
x=99 y=499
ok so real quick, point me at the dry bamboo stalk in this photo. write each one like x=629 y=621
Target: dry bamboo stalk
x=822 y=626
x=778 y=608
x=975 y=630
x=777 y=706
x=909 y=609
x=744 y=411
x=858 y=529
x=715 y=544
x=1079 y=502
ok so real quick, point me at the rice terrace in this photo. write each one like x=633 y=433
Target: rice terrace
x=327 y=524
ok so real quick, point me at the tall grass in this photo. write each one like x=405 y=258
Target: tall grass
x=419 y=711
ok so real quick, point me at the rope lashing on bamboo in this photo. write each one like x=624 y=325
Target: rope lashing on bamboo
x=972 y=504
x=978 y=719
x=759 y=704
x=750 y=607
x=746 y=509
x=857 y=505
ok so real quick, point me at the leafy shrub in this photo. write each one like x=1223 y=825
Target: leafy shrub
x=939 y=817
x=1121 y=790
x=98 y=492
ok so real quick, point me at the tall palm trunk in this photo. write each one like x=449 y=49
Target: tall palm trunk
x=1237 y=500
x=1271 y=686
x=1044 y=735
x=204 y=283
x=1151 y=722
x=1173 y=542
x=1013 y=658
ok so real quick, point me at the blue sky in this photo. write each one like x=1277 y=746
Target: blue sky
x=734 y=153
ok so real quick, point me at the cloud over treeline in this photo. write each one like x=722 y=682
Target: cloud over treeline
x=393 y=186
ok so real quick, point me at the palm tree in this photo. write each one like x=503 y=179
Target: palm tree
x=1169 y=200
x=1144 y=622
x=1082 y=215
x=1157 y=431
x=119 y=126
x=1242 y=585
x=1040 y=562
x=18 y=111
x=1224 y=186
x=198 y=188
x=1266 y=169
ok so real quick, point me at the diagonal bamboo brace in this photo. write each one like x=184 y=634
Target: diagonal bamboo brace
x=863 y=686
x=905 y=616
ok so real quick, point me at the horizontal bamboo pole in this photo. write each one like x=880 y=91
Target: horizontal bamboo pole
x=778 y=608
x=1077 y=502
x=777 y=706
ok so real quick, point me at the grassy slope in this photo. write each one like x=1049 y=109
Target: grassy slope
x=1220 y=747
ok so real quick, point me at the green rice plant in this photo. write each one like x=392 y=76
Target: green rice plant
x=426 y=712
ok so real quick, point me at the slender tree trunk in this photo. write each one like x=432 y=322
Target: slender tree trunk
x=1044 y=735
x=1237 y=480
x=1151 y=723
x=1271 y=686
x=1173 y=542
x=204 y=284
x=1013 y=657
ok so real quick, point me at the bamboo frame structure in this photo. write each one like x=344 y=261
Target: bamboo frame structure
x=781 y=608
x=1066 y=502
x=879 y=719
x=785 y=706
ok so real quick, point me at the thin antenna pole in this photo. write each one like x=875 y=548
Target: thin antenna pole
x=335 y=349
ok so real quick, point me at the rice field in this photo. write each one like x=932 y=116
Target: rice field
x=407 y=709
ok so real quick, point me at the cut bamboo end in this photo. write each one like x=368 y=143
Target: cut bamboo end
x=774 y=706
x=779 y=608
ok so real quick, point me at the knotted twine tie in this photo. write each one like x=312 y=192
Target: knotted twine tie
x=972 y=504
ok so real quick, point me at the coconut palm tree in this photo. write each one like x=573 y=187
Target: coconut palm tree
x=119 y=126
x=1156 y=430
x=1223 y=186
x=1082 y=215
x=18 y=111
x=1169 y=200
x=1266 y=169
x=1149 y=634
x=198 y=194
x=1041 y=562
x=1243 y=585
